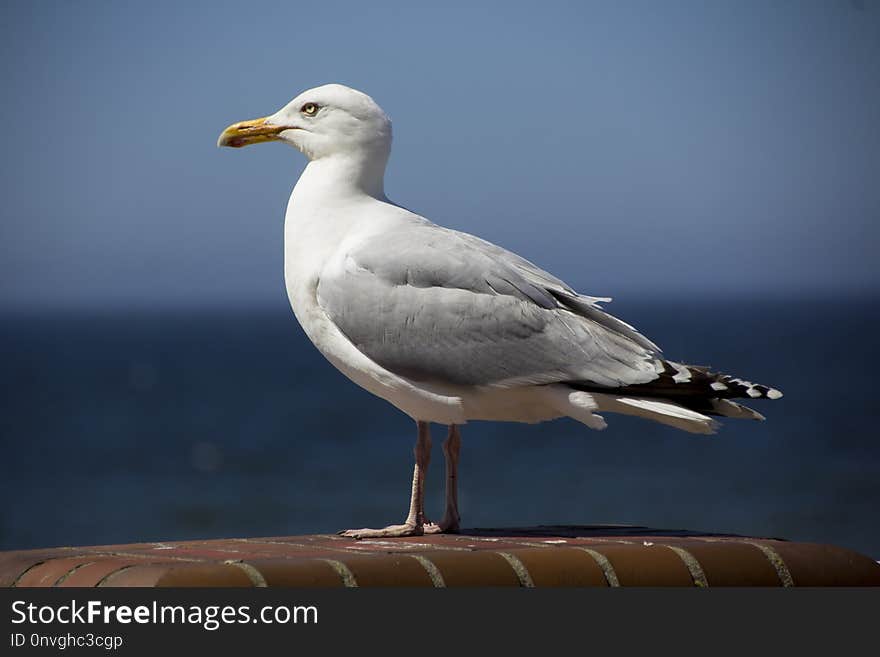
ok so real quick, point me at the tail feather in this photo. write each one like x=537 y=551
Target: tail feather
x=727 y=408
x=682 y=396
x=689 y=382
x=658 y=410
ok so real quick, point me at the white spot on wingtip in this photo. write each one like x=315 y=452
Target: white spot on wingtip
x=683 y=374
x=773 y=393
x=717 y=385
x=754 y=394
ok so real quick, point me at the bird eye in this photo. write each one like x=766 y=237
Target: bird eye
x=309 y=109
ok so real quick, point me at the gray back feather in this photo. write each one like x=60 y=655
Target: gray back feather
x=437 y=305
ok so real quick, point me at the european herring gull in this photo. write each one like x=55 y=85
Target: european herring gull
x=446 y=326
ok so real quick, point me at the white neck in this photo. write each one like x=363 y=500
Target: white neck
x=321 y=212
x=344 y=176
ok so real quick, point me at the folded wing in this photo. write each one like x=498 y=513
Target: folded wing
x=437 y=305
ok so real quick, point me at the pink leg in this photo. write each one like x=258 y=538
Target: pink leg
x=451 y=519
x=415 y=520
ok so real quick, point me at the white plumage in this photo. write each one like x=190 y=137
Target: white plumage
x=445 y=326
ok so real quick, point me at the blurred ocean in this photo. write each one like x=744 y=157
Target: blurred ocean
x=173 y=425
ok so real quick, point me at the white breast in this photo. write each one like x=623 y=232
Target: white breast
x=314 y=238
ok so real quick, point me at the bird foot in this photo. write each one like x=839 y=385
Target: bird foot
x=446 y=526
x=391 y=531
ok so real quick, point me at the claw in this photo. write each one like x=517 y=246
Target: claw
x=443 y=528
x=392 y=531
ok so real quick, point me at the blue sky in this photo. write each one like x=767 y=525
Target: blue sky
x=632 y=148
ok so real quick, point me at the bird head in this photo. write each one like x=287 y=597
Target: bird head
x=321 y=122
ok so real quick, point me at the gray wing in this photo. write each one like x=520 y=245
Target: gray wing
x=437 y=305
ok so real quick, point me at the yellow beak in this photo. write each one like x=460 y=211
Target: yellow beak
x=250 y=132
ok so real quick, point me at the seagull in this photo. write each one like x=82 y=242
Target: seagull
x=446 y=326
